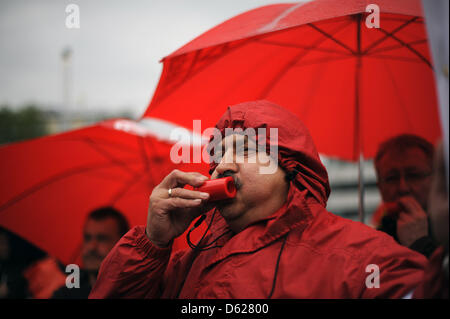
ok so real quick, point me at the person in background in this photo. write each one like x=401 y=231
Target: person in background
x=403 y=166
x=44 y=277
x=103 y=228
x=17 y=256
x=436 y=277
x=12 y=282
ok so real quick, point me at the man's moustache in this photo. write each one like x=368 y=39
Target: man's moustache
x=237 y=182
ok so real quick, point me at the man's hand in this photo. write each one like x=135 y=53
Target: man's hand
x=169 y=216
x=412 y=222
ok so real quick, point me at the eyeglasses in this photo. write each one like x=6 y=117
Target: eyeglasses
x=410 y=177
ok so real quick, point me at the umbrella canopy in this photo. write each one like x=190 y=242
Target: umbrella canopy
x=50 y=184
x=352 y=86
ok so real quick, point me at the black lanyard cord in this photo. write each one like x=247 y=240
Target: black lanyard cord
x=206 y=246
x=274 y=282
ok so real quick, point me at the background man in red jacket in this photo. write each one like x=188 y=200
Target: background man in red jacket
x=103 y=228
x=275 y=239
x=404 y=165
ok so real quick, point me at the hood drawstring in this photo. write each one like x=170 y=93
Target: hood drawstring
x=199 y=247
x=274 y=282
x=209 y=246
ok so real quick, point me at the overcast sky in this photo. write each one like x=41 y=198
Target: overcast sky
x=116 y=50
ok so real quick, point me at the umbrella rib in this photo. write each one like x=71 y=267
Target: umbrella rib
x=314 y=84
x=104 y=141
x=51 y=180
x=393 y=57
x=144 y=154
x=149 y=141
x=146 y=158
x=265 y=91
x=394 y=47
x=376 y=43
x=224 y=52
x=108 y=156
x=211 y=52
x=417 y=53
x=175 y=87
x=396 y=90
x=191 y=66
x=402 y=19
x=305 y=47
x=322 y=60
x=119 y=194
x=244 y=75
x=329 y=36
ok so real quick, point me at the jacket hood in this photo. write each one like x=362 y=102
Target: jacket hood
x=297 y=154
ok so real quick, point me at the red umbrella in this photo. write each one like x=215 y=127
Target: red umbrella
x=352 y=86
x=50 y=184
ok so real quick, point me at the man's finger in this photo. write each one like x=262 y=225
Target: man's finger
x=412 y=207
x=178 y=178
x=404 y=217
x=188 y=194
x=177 y=202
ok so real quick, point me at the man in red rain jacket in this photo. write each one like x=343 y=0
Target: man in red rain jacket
x=275 y=239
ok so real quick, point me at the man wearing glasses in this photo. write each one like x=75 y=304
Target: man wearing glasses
x=404 y=165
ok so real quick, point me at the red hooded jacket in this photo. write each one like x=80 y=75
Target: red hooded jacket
x=300 y=251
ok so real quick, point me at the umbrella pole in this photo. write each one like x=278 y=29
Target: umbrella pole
x=361 y=188
x=358 y=120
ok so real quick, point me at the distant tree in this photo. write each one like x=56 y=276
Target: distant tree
x=126 y=114
x=31 y=122
x=25 y=123
x=7 y=126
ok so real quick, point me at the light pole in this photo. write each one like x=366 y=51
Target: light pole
x=66 y=56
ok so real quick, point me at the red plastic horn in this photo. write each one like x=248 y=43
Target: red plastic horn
x=392 y=209
x=219 y=189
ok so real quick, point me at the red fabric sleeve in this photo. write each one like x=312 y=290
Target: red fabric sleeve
x=400 y=271
x=134 y=268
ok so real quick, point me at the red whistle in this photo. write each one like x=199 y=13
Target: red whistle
x=392 y=209
x=218 y=189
